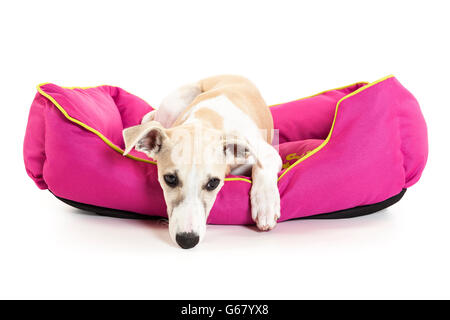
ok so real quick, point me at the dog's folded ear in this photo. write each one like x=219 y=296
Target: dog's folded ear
x=238 y=151
x=147 y=137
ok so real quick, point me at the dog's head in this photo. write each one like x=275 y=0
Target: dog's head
x=192 y=164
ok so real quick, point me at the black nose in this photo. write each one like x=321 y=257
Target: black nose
x=187 y=240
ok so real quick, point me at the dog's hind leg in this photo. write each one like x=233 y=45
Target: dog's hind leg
x=173 y=105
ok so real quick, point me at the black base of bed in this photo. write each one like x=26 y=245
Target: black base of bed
x=341 y=214
x=361 y=210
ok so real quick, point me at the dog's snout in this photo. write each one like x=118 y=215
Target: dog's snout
x=187 y=240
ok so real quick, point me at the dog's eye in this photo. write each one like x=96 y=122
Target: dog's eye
x=212 y=184
x=171 y=180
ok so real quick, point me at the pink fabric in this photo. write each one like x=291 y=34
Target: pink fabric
x=378 y=147
x=292 y=151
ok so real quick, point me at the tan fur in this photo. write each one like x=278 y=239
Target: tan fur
x=190 y=138
x=210 y=117
x=242 y=93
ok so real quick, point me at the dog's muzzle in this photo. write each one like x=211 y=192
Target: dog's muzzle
x=187 y=240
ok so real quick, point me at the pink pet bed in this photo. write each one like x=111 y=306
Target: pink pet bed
x=346 y=152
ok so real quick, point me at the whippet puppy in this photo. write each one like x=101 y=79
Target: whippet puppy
x=202 y=132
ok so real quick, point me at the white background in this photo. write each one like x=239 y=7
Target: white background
x=290 y=49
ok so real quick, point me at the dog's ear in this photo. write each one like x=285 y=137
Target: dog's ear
x=237 y=150
x=148 y=137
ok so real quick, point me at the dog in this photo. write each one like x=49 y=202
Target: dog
x=202 y=132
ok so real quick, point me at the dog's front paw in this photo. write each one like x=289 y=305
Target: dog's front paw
x=265 y=201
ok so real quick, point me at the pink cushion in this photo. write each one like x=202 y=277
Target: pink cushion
x=343 y=148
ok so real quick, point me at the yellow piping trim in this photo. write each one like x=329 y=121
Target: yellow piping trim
x=101 y=136
x=324 y=143
x=322 y=92
x=85 y=126
x=119 y=150
x=238 y=179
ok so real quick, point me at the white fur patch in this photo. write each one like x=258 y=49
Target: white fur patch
x=189 y=215
x=234 y=119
